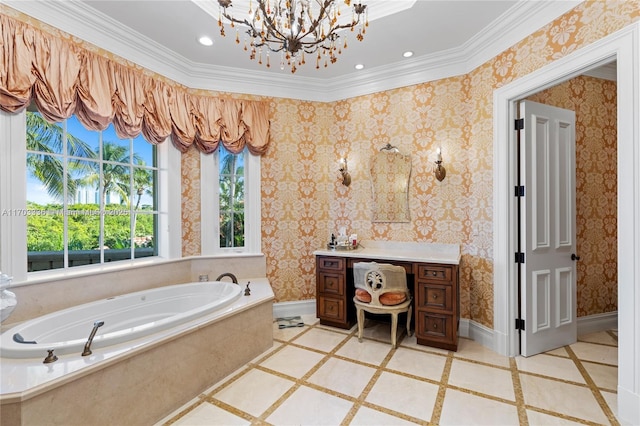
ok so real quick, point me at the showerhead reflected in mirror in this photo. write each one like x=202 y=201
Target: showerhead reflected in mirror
x=390 y=172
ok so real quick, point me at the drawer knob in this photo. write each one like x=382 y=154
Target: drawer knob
x=435 y=325
x=434 y=273
x=435 y=296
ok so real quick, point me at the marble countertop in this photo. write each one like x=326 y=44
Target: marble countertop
x=400 y=250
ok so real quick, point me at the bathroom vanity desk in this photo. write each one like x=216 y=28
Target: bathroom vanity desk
x=432 y=275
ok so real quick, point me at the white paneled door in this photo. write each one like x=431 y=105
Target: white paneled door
x=547 y=228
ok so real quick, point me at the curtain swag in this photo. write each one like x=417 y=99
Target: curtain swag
x=64 y=79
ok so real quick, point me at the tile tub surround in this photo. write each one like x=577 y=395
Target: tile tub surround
x=58 y=289
x=320 y=375
x=160 y=374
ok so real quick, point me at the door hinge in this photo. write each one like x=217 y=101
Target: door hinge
x=519 y=191
x=519 y=324
x=519 y=122
x=519 y=257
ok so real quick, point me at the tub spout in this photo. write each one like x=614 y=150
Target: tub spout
x=87 y=346
x=230 y=275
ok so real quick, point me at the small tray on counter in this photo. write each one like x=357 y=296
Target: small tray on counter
x=342 y=247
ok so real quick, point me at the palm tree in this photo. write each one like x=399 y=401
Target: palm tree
x=45 y=139
x=231 y=201
x=142 y=182
x=115 y=172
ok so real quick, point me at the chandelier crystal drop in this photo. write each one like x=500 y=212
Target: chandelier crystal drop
x=295 y=28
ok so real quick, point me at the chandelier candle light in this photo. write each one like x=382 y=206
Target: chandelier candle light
x=295 y=27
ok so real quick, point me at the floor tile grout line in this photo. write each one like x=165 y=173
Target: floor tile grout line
x=593 y=387
x=561 y=415
x=607 y=345
x=248 y=367
x=357 y=402
x=555 y=379
x=361 y=400
x=442 y=390
x=518 y=393
x=483 y=363
x=302 y=381
x=380 y=369
x=231 y=409
x=482 y=395
x=192 y=406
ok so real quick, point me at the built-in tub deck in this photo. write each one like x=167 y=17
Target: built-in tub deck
x=143 y=380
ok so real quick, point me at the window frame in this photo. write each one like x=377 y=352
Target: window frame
x=13 y=199
x=210 y=202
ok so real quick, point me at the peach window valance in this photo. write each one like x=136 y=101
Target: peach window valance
x=63 y=79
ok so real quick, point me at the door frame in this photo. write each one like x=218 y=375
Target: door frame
x=624 y=47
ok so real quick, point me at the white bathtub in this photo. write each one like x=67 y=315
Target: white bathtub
x=126 y=318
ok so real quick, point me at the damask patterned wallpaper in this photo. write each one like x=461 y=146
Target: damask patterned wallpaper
x=303 y=201
x=594 y=101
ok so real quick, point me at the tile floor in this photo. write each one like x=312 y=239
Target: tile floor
x=317 y=375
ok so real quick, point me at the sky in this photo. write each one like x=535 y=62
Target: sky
x=36 y=192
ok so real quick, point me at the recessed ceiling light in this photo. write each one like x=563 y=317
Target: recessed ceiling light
x=407 y=54
x=359 y=66
x=205 y=41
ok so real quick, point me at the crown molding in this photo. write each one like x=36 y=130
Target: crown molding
x=520 y=21
x=82 y=21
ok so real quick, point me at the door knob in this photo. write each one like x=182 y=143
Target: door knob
x=574 y=257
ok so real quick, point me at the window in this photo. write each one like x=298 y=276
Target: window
x=13 y=203
x=91 y=196
x=230 y=199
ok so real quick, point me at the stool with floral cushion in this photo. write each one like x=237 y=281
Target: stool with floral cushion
x=381 y=288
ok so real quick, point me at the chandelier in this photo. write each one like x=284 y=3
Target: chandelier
x=294 y=28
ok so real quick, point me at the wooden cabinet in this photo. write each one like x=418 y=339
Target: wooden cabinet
x=334 y=299
x=435 y=294
x=437 y=305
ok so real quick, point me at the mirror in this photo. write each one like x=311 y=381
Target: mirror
x=390 y=171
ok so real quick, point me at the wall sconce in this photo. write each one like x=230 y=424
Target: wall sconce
x=441 y=172
x=346 y=177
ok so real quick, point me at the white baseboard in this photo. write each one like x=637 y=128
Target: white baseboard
x=296 y=308
x=598 y=322
x=628 y=407
x=476 y=332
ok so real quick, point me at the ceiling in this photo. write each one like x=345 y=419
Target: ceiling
x=447 y=37
x=427 y=28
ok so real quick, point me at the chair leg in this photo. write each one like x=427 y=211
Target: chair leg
x=409 y=320
x=394 y=328
x=360 y=316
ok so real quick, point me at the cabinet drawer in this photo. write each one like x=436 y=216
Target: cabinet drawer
x=331 y=283
x=331 y=309
x=435 y=296
x=331 y=263
x=435 y=326
x=435 y=272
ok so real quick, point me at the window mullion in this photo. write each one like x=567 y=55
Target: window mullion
x=101 y=206
x=132 y=214
x=65 y=198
